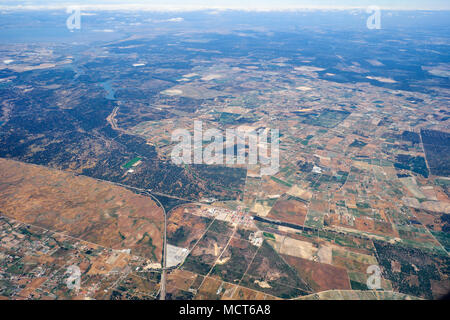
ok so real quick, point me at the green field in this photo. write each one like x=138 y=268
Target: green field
x=130 y=163
x=287 y=184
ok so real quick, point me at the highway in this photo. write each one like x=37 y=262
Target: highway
x=151 y=194
x=162 y=292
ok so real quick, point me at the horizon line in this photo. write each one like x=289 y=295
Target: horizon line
x=187 y=8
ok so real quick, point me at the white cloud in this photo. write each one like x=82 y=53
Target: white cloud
x=175 y=20
x=104 y=30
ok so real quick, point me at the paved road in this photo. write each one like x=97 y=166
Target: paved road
x=162 y=293
x=152 y=194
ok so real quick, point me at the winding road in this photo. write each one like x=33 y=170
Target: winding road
x=162 y=293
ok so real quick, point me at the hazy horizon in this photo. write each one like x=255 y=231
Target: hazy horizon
x=252 y=5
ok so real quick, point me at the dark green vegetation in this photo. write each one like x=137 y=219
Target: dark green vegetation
x=437 y=150
x=179 y=295
x=412 y=137
x=179 y=236
x=169 y=203
x=269 y=267
x=287 y=184
x=269 y=235
x=358 y=144
x=304 y=166
x=203 y=257
x=327 y=118
x=358 y=285
x=413 y=271
x=443 y=238
x=239 y=255
x=198 y=264
x=69 y=131
x=220 y=227
x=130 y=163
x=414 y=164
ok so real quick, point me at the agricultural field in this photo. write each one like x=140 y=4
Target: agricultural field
x=91 y=122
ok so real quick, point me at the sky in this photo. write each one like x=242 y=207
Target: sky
x=265 y=5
